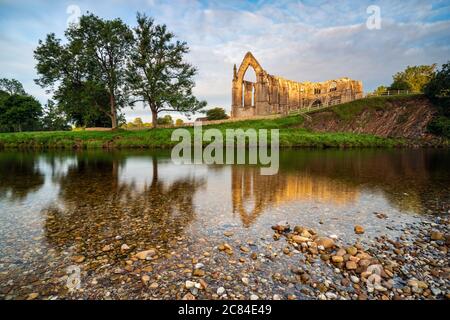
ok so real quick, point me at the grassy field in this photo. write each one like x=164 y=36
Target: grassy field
x=291 y=135
x=349 y=110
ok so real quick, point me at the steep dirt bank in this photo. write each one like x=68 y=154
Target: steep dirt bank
x=399 y=117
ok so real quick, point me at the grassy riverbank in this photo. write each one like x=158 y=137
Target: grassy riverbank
x=291 y=135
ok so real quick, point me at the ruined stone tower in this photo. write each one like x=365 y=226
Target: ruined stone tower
x=275 y=95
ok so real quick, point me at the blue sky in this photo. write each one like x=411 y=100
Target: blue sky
x=299 y=40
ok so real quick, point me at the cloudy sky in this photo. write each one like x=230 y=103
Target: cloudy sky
x=300 y=40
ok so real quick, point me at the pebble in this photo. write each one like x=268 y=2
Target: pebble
x=145 y=279
x=78 y=259
x=326 y=243
x=144 y=254
x=254 y=297
x=189 y=284
x=199 y=272
x=331 y=295
x=220 y=291
x=154 y=285
x=436 y=235
x=199 y=265
x=359 y=229
x=33 y=296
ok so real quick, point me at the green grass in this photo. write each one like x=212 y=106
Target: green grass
x=292 y=132
x=350 y=110
x=291 y=135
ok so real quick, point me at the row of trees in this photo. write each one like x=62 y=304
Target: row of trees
x=137 y=123
x=104 y=65
x=413 y=79
x=211 y=114
x=20 y=111
x=435 y=84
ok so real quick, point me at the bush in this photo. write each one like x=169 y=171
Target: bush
x=440 y=126
x=216 y=114
x=165 y=121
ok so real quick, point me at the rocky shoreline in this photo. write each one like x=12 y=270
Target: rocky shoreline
x=309 y=266
x=415 y=266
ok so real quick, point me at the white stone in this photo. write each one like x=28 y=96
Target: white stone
x=189 y=284
x=199 y=265
x=331 y=295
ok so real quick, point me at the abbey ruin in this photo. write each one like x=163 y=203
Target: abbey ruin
x=275 y=95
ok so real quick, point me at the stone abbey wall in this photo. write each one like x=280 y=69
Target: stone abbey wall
x=275 y=95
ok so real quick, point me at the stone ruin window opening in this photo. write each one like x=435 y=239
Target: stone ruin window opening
x=333 y=86
x=316 y=90
x=316 y=104
x=248 y=87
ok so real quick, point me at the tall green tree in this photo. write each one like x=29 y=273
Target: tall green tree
x=413 y=78
x=88 y=68
x=20 y=112
x=63 y=71
x=54 y=118
x=11 y=86
x=439 y=86
x=158 y=76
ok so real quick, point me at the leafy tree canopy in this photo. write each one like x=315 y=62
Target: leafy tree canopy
x=20 y=112
x=439 y=86
x=54 y=118
x=88 y=70
x=166 y=120
x=11 y=86
x=216 y=114
x=157 y=73
x=413 y=78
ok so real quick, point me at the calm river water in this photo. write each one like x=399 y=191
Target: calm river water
x=63 y=209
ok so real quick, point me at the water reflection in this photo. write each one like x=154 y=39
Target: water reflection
x=54 y=206
x=99 y=203
x=130 y=183
x=253 y=193
x=19 y=175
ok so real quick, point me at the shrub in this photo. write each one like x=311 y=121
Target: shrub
x=216 y=114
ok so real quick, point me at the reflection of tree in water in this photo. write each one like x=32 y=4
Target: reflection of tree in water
x=98 y=206
x=19 y=175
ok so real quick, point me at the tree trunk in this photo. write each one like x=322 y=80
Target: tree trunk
x=113 y=115
x=154 y=118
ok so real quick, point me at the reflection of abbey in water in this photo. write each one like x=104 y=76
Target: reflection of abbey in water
x=253 y=193
x=275 y=95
